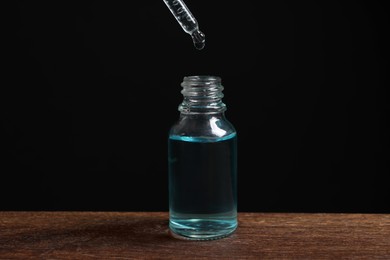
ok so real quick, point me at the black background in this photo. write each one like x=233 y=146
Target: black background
x=91 y=88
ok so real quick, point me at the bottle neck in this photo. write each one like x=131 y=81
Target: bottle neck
x=202 y=95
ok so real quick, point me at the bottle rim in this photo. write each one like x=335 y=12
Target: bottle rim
x=202 y=79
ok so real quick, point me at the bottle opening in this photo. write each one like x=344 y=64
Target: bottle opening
x=202 y=79
x=202 y=94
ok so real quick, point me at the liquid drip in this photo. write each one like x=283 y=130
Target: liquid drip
x=199 y=39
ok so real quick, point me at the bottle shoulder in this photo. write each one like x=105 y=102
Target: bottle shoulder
x=202 y=126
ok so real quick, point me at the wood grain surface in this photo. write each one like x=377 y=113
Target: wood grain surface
x=144 y=235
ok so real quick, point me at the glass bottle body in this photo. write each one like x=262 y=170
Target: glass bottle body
x=202 y=150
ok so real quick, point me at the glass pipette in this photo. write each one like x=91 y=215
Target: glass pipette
x=187 y=21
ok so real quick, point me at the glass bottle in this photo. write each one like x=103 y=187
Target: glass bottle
x=202 y=162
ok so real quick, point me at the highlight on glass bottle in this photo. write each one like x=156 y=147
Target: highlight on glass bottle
x=202 y=162
x=187 y=21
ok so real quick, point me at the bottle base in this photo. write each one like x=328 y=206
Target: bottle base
x=199 y=229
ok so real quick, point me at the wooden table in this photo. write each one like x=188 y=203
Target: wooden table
x=144 y=235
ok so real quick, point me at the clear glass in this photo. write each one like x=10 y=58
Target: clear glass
x=187 y=21
x=202 y=159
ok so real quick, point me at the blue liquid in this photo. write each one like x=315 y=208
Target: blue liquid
x=202 y=186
